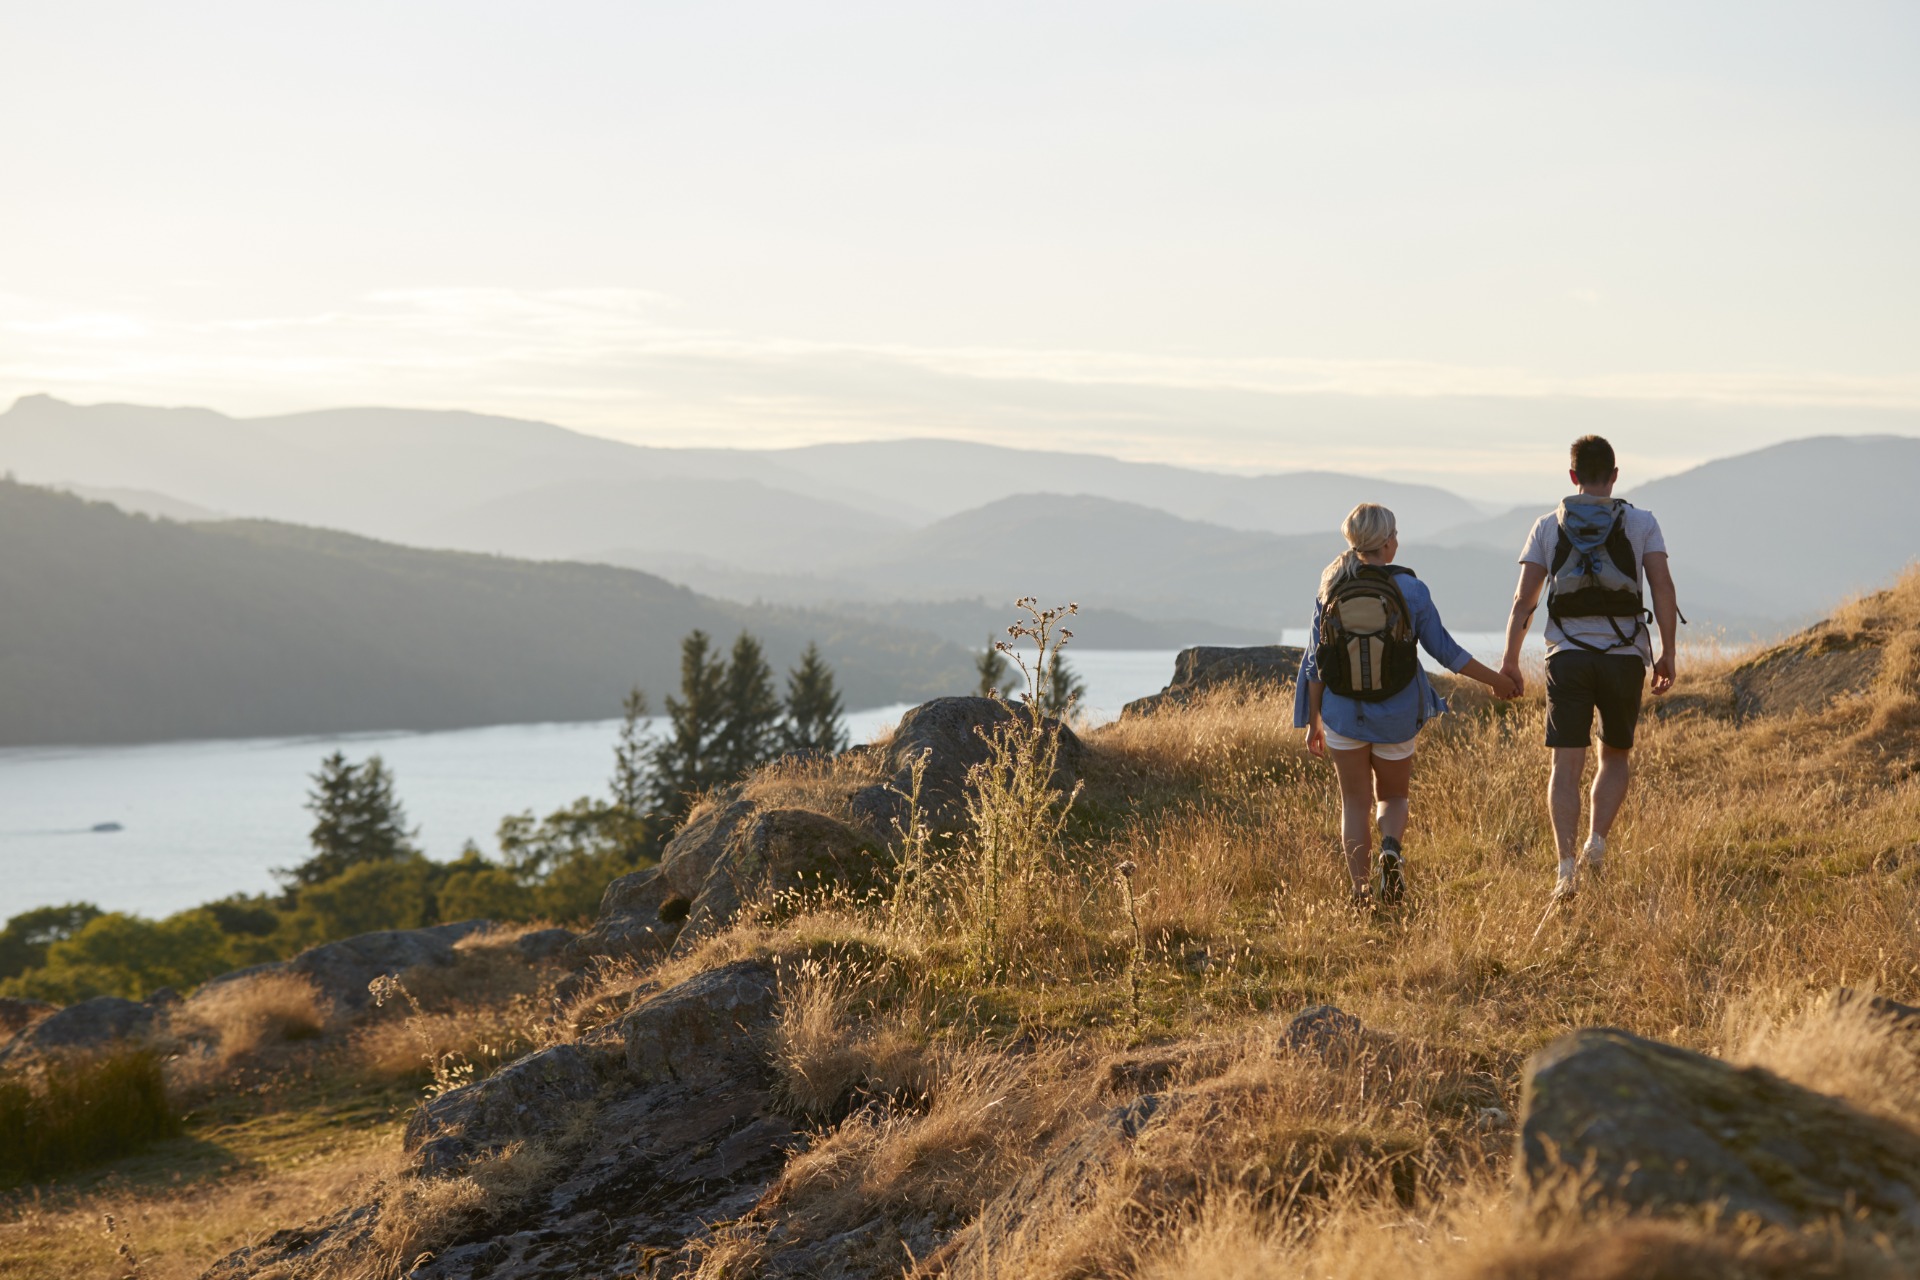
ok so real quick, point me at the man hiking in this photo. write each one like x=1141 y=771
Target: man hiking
x=1591 y=555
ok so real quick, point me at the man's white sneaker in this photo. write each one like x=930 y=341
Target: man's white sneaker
x=1593 y=857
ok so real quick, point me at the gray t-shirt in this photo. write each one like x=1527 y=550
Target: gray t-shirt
x=1643 y=534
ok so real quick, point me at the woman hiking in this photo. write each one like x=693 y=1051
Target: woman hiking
x=1362 y=697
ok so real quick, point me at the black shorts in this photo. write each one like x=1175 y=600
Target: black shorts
x=1578 y=682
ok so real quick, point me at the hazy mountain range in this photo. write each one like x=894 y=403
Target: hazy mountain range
x=940 y=534
x=122 y=628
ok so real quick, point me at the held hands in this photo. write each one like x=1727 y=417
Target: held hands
x=1511 y=670
x=1663 y=673
x=1505 y=687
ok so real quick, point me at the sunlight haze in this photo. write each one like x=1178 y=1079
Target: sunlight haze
x=1426 y=242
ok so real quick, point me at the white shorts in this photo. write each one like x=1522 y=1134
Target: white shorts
x=1381 y=750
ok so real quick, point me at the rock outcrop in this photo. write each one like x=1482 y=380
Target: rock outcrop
x=1655 y=1128
x=650 y=1128
x=1207 y=667
x=730 y=855
x=340 y=971
x=733 y=853
x=91 y=1024
x=17 y=1013
x=949 y=733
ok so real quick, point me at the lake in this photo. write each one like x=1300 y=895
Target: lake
x=200 y=820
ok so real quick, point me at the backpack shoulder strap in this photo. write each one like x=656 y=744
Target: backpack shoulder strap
x=1620 y=547
x=1562 y=547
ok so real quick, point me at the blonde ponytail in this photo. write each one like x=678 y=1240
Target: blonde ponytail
x=1368 y=527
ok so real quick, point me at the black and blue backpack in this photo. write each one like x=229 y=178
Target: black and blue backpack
x=1368 y=650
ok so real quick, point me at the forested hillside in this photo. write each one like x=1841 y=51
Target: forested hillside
x=121 y=628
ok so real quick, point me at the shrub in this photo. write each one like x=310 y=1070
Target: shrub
x=122 y=955
x=366 y=898
x=81 y=1111
x=249 y=1014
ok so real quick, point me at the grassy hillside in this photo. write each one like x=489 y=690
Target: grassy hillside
x=953 y=1113
x=119 y=628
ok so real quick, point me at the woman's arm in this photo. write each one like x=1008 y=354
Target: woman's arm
x=1453 y=655
x=1316 y=728
x=1502 y=684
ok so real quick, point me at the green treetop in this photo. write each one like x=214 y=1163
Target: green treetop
x=688 y=759
x=357 y=819
x=814 y=720
x=750 y=735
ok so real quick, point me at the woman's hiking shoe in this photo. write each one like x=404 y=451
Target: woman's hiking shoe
x=1391 y=876
x=1361 y=900
x=1565 y=889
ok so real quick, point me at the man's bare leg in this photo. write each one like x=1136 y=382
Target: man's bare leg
x=1609 y=792
x=1563 y=803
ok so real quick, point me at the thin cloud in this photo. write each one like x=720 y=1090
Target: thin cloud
x=616 y=362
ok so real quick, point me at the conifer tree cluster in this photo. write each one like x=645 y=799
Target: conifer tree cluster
x=728 y=719
x=356 y=819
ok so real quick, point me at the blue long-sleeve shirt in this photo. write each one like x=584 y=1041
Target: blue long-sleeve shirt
x=1399 y=717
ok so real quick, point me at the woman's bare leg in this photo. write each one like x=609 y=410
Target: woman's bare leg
x=1391 y=782
x=1356 y=809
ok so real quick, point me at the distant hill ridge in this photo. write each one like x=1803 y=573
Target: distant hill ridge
x=118 y=628
x=1760 y=541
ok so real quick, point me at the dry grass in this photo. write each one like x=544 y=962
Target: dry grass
x=417 y=1216
x=823 y=786
x=825 y=1054
x=447 y=1048
x=177 y=1230
x=1757 y=866
x=1834 y=1044
x=235 y=1021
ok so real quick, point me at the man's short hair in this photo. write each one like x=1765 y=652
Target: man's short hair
x=1592 y=460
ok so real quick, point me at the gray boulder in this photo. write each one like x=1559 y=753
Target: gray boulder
x=1320 y=1029
x=91 y=1024
x=528 y=1096
x=647 y=1130
x=341 y=971
x=773 y=852
x=1206 y=667
x=950 y=733
x=1667 y=1131
x=542 y=944
x=17 y=1013
x=640 y=916
x=729 y=855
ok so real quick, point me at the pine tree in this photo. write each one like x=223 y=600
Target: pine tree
x=814 y=720
x=688 y=761
x=751 y=733
x=1060 y=688
x=632 y=774
x=357 y=819
x=996 y=673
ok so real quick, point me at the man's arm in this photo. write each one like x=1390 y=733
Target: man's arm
x=1666 y=612
x=1526 y=598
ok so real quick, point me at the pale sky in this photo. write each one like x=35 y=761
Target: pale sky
x=1427 y=240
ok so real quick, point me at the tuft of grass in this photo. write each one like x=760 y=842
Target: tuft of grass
x=76 y=1111
x=244 y=1017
